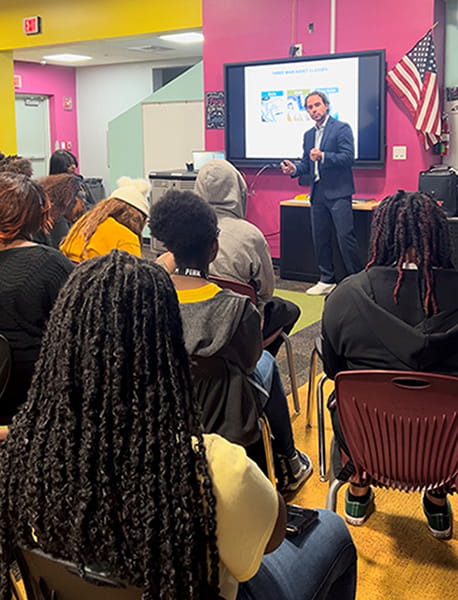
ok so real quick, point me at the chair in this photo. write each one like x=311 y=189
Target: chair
x=5 y=364
x=48 y=578
x=246 y=420
x=318 y=390
x=401 y=429
x=246 y=289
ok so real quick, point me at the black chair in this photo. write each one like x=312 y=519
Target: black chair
x=48 y=578
x=229 y=411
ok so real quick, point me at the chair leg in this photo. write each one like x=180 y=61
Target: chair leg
x=331 y=498
x=292 y=372
x=266 y=434
x=311 y=386
x=321 y=431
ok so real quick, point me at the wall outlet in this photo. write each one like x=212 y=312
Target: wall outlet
x=298 y=48
x=399 y=152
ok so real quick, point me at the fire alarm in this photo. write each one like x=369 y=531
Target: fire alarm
x=31 y=25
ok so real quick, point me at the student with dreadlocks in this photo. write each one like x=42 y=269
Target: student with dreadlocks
x=106 y=464
x=401 y=314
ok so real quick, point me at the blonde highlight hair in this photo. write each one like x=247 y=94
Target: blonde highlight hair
x=123 y=213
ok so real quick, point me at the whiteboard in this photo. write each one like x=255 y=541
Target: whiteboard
x=171 y=131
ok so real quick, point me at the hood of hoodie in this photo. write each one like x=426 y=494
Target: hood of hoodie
x=427 y=345
x=223 y=187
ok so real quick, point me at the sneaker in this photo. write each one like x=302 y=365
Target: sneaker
x=321 y=289
x=356 y=513
x=294 y=471
x=439 y=524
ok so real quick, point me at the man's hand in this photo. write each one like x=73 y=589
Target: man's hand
x=287 y=167
x=316 y=154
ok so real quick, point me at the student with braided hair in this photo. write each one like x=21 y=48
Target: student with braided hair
x=106 y=463
x=401 y=314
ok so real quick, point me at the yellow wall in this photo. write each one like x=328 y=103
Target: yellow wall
x=7 y=113
x=79 y=20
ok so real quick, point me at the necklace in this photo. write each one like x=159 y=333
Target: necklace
x=190 y=272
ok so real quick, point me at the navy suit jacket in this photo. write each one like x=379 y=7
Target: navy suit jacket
x=336 y=174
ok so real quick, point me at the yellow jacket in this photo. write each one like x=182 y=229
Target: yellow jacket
x=109 y=235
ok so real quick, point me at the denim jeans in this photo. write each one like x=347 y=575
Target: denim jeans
x=274 y=403
x=318 y=564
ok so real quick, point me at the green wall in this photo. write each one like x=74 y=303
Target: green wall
x=125 y=132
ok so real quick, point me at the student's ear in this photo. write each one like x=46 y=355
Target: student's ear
x=213 y=251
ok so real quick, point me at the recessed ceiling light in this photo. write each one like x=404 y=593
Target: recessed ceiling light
x=183 y=38
x=67 y=57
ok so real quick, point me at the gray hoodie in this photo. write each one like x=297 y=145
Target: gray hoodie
x=243 y=251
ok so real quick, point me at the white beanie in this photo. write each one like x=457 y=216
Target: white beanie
x=133 y=192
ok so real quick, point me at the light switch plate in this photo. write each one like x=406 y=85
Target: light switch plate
x=399 y=152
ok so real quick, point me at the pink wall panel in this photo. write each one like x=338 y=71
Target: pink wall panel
x=237 y=30
x=57 y=83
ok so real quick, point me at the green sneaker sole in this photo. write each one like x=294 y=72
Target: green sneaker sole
x=357 y=513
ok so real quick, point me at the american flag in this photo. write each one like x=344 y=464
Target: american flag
x=414 y=80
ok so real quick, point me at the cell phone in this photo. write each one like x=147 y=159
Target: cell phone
x=298 y=518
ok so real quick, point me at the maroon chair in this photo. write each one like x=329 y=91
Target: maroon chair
x=245 y=289
x=401 y=429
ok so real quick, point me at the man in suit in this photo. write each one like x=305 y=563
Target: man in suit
x=327 y=160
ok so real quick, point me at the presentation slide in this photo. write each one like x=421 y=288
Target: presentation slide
x=275 y=112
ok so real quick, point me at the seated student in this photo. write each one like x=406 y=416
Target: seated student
x=243 y=251
x=116 y=472
x=62 y=161
x=16 y=164
x=114 y=223
x=400 y=313
x=221 y=324
x=67 y=205
x=30 y=278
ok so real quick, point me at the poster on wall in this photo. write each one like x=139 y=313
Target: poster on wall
x=214 y=110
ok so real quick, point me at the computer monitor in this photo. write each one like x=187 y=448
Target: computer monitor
x=200 y=157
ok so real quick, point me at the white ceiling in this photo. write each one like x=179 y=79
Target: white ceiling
x=118 y=50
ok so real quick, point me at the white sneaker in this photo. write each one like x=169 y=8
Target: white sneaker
x=321 y=289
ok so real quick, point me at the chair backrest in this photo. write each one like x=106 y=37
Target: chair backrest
x=229 y=403
x=5 y=363
x=48 y=578
x=401 y=428
x=245 y=289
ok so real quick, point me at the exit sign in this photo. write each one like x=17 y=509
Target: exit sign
x=31 y=25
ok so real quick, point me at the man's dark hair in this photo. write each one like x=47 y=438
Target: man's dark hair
x=413 y=222
x=105 y=464
x=322 y=95
x=187 y=225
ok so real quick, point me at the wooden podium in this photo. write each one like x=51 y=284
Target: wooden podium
x=297 y=256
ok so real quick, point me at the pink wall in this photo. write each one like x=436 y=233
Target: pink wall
x=57 y=83
x=237 y=30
